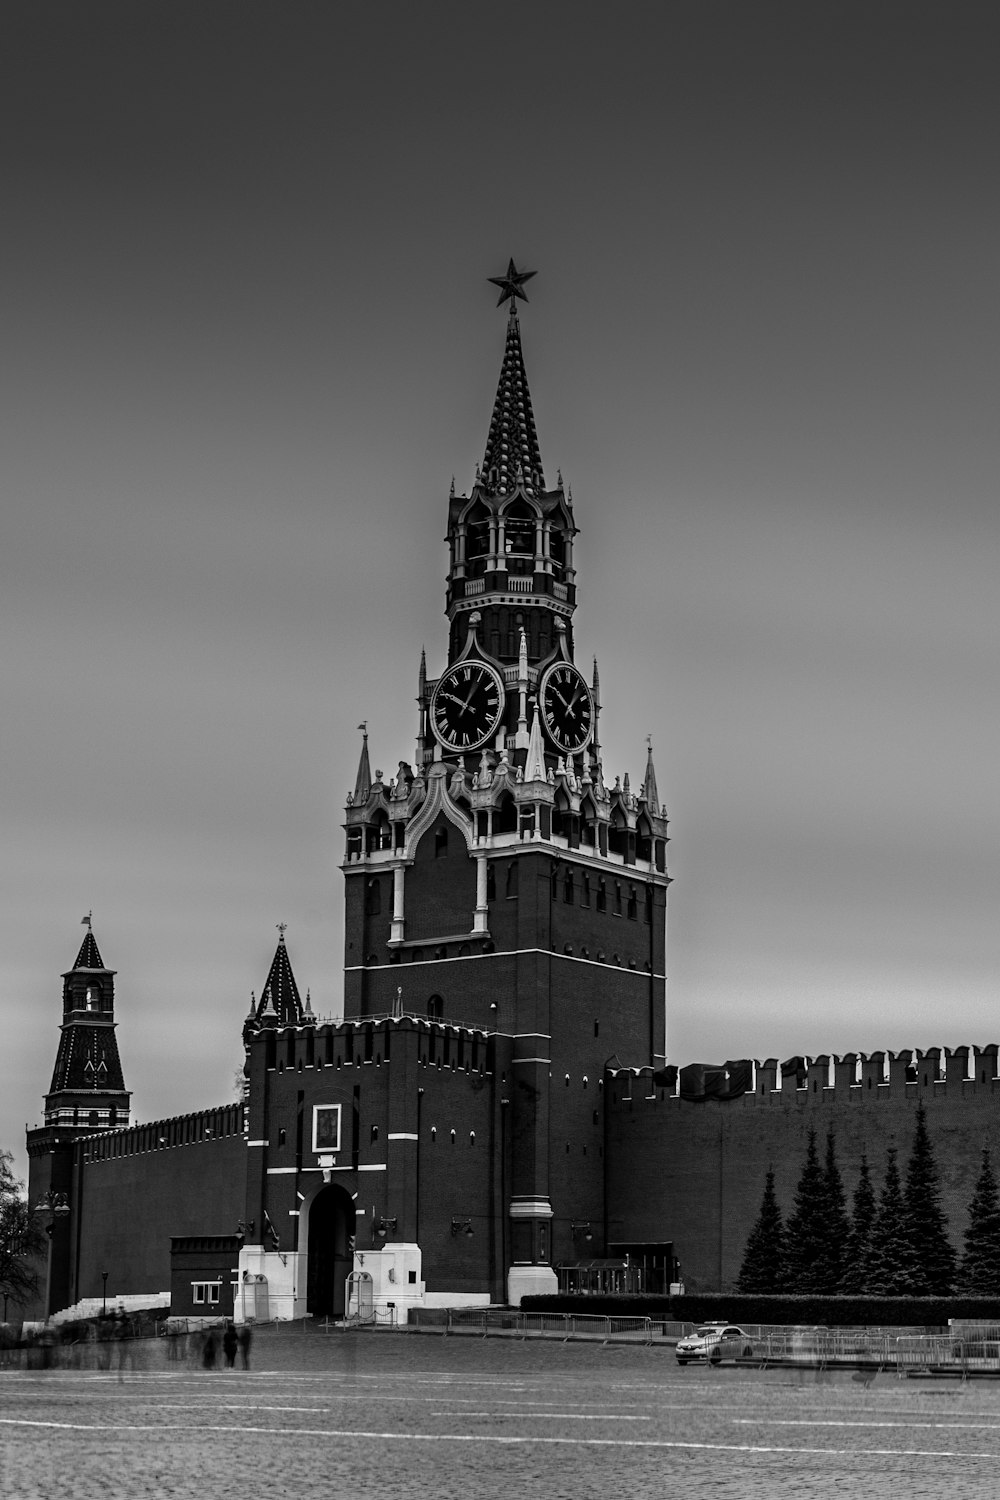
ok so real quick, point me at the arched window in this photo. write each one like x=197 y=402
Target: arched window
x=505 y=817
x=435 y=1008
x=440 y=841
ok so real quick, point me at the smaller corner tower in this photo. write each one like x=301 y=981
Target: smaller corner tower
x=87 y=1095
x=87 y=1091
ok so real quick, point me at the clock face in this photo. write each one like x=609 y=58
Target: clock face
x=567 y=708
x=467 y=705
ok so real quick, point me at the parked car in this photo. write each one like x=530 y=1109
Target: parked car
x=714 y=1342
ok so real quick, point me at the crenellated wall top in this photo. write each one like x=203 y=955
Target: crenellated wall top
x=811 y=1079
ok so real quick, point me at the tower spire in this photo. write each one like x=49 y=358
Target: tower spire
x=649 y=793
x=280 y=1001
x=512 y=443
x=363 y=784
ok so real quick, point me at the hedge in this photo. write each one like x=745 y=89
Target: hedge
x=829 y=1312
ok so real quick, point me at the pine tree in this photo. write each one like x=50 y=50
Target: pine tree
x=763 y=1268
x=891 y=1269
x=830 y=1267
x=933 y=1253
x=21 y=1240
x=854 y=1270
x=806 y=1231
x=979 y=1274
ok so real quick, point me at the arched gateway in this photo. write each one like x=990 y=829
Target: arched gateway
x=330 y=1251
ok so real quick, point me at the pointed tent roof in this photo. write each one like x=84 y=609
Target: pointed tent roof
x=534 y=766
x=512 y=452
x=89 y=955
x=649 y=793
x=280 y=995
x=363 y=784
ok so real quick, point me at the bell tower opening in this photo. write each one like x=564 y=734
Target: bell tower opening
x=330 y=1252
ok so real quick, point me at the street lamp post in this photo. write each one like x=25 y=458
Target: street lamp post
x=56 y=1205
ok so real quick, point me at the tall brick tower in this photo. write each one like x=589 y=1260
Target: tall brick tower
x=498 y=881
x=87 y=1095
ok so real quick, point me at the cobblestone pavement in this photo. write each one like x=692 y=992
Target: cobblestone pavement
x=402 y=1416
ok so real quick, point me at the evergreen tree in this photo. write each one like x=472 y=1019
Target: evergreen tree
x=933 y=1252
x=21 y=1240
x=891 y=1270
x=763 y=1268
x=854 y=1271
x=979 y=1274
x=837 y=1231
x=806 y=1231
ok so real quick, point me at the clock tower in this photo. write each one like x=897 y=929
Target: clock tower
x=498 y=882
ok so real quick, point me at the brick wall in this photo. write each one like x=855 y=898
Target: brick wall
x=694 y=1172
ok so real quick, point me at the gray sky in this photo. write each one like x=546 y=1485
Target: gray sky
x=248 y=339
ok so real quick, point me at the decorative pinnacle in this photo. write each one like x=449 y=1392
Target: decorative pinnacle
x=281 y=926
x=511 y=284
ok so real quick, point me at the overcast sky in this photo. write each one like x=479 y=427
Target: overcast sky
x=247 y=340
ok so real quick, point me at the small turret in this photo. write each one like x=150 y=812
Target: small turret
x=280 y=1002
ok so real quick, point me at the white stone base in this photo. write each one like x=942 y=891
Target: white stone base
x=286 y=1289
x=530 y=1281
x=389 y=1269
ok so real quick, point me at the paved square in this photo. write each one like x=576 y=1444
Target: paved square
x=405 y=1415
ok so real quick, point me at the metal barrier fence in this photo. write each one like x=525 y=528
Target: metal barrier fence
x=564 y=1326
x=368 y=1317
x=964 y=1354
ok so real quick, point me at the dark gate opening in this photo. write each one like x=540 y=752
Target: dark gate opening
x=330 y=1252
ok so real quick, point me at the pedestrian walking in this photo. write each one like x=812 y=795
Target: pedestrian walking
x=245 y=1335
x=230 y=1344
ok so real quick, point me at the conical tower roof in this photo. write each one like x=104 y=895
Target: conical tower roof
x=512 y=453
x=363 y=782
x=649 y=793
x=89 y=956
x=280 y=995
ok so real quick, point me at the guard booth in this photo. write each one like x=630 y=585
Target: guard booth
x=254 y=1299
x=360 y=1298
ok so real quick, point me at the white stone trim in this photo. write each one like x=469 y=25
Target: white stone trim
x=531 y=1208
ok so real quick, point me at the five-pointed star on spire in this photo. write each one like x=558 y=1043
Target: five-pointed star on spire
x=510 y=285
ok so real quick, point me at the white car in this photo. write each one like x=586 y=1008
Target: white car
x=714 y=1342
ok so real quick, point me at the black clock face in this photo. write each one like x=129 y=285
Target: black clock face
x=567 y=708
x=467 y=706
